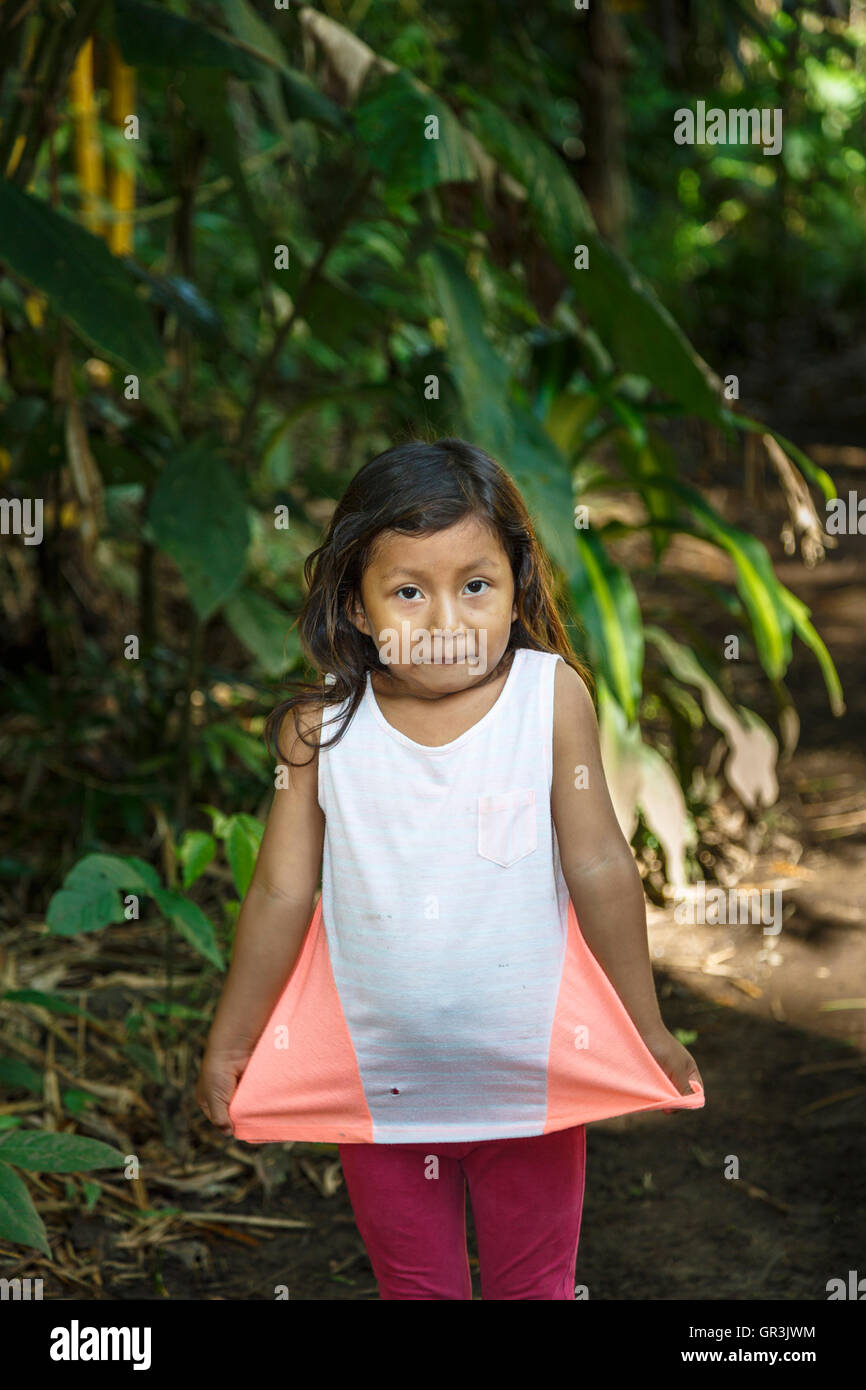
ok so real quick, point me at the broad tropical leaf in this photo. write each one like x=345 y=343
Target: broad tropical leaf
x=153 y=36
x=509 y=432
x=199 y=517
x=393 y=124
x=266 y=630
x=81 y=279
x=608 y=607
x=639 y=332
x=288 y=95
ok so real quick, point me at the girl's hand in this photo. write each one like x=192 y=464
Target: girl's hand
x=217 y=1083
x=675 y=1061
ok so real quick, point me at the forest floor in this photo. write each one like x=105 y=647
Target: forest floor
x=784 y=1074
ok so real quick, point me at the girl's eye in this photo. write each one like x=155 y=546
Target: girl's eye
x=404 y=587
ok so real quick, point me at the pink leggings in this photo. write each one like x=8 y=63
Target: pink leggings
x=526 y=1196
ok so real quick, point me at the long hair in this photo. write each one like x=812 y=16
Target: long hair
x=416 y=487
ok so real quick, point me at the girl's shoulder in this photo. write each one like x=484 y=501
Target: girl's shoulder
x=302 y=727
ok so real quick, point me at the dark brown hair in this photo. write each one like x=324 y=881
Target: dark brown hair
x=416 y=487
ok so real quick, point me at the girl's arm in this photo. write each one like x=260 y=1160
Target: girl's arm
x=271 y=925
x=599 y=868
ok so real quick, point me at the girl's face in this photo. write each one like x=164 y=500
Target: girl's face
x=439 y=607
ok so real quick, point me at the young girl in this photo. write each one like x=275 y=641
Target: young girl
x=438 y=1013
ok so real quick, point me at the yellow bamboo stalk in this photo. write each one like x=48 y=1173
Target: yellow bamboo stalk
x=121 y=178
x=88 y=150
x=17 y=151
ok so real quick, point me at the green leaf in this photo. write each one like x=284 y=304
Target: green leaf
x=252 y=825
x=206 y=93
x=644 y=463
x=806 y=632
x=287 y=94
x=89 y=898
x=125 y=872
x=55 y=1003
x=144 y=1058
x=152 y=36
x=195 y=852
x=77 y=1102
x=211 y=739
x=18 y=1075
x=191 y=923
x=163 y=1010
x=220 y=821
x=199 y=518
x=480 y=373
x=92 y=1192
x=265 y=630
x=543 y=477
x=342 y=317
x=757 y=583
x=85 y=908
x=392 y=123
x=568 y=418
x=249 y=749
x=640 y=333
x=242 y=847
x=510 y=432
x=607 y=606
x=75 y=270
x=20 y=1222
x=44 y=1152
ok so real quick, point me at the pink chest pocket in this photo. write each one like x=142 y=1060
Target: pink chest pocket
x=506 y=826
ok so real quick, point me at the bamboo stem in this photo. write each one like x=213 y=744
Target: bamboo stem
x=121 y=179
x=65 y=41
x=88 y=150
x=14 y=138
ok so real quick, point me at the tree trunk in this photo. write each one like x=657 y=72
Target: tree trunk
x=604 y=179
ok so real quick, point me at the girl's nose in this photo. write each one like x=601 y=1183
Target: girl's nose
x=445 y=615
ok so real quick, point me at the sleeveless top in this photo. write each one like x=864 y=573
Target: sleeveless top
x=444 y=991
